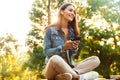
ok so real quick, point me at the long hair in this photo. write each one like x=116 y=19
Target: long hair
x=73 y=23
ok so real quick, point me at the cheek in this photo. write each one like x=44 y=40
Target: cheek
x=66 y=15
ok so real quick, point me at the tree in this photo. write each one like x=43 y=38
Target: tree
x=40 y=15
x=9 y=57
x=100 y=34
x=8 y=44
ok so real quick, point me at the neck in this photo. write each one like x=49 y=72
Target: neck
x=64 y=23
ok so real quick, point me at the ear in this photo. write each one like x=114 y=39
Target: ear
x=61 y=12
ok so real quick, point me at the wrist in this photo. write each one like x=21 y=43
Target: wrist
x=62 y=47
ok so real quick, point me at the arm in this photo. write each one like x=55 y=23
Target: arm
x=75 y=47
x=48 y=50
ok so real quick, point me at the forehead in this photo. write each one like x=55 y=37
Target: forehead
x=70 y=7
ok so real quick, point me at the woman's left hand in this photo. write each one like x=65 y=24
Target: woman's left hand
x=75 y=44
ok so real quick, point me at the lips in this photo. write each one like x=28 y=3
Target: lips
x=71 y=17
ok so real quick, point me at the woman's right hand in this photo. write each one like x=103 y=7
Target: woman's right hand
x=70 y=44
x=67 y=45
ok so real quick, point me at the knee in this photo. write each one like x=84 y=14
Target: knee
x=96 y=60
x=55 y=58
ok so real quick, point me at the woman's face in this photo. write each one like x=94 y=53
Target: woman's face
x=69 y=13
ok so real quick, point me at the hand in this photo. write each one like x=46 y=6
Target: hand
x=67 y=45
x=70 y=44
x=75 y=44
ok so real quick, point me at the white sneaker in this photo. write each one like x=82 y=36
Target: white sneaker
x=92 y=75
x=65 y=76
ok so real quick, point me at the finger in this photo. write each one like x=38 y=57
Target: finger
x=77 y=41
x=74 y=45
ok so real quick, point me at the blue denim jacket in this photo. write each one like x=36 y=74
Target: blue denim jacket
x=54 y=40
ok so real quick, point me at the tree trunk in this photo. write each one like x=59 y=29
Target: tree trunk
x=49 y=13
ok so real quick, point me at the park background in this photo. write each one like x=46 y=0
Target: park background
x=99 y=22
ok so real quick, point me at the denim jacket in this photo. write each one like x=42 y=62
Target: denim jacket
x=54 y=40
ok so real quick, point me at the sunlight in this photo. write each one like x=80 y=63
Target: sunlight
x=54 y=15
x=118 y=43
x=14 y=18
x=115 y=25
x=110 y=41
x=53 y=19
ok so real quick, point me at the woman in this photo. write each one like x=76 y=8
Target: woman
x=59 y=47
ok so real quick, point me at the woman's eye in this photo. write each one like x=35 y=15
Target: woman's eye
x=70 y=10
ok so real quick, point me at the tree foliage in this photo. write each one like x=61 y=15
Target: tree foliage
x=101 y=35
x=10 y=61
x=38 y=16
x=8 y=44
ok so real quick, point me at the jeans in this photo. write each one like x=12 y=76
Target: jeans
x=57 y=65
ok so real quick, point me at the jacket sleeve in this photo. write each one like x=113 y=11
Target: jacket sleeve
x=74 y=51
x=48 y=50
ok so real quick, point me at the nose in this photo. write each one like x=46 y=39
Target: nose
x=73 y=13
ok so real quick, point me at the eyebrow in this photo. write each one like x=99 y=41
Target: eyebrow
x=72 y=9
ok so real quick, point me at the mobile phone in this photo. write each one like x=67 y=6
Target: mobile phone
x=77 y=38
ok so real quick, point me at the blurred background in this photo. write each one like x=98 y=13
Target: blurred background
x=22 y=24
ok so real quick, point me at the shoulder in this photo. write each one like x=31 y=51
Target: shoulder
x=51 y=28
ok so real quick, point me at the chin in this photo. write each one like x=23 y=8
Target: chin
x=70 y=20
